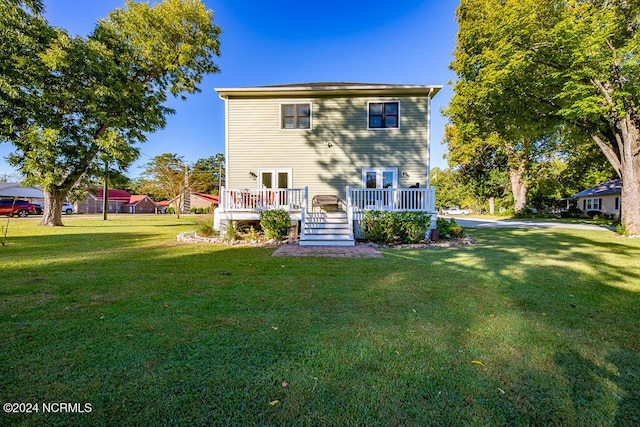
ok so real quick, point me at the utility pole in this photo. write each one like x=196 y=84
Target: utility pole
x=105 y=191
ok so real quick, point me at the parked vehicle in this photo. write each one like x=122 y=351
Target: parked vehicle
x=454 y=210
x=38 y=208
x=11 y=207
x=67 y=208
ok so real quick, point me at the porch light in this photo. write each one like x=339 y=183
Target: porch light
x=253 y=175
x=404 y=174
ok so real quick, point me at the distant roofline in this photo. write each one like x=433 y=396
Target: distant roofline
x=606 y=188
x=329 y=88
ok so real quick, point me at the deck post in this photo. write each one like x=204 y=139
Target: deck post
x=303 y=215
x=350 y=213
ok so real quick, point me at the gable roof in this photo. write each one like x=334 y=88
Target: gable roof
x=115 y=195
x=137 y=198
x=209 y=198
x=328 y=88
x=603 y=189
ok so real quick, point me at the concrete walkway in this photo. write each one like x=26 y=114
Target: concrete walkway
x=512 y=223
x=357 y=251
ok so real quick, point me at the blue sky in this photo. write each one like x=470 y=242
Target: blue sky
x=287 y=41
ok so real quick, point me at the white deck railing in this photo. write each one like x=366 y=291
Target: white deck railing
x=391 y=199
x=245 y=200
x=358 y=199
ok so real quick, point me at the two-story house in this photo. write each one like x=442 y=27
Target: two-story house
x=326 y=152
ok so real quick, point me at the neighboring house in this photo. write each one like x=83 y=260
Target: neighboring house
x=603 y=198
x=204 y=200
x=194 y=200
x=162 y=206
x=139 y=203
x=14 y=189
x=118 y=201
x=321 y=147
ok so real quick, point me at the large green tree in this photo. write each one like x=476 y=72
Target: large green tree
x=528 y=68
x=97 y=97
x=483 y=165
x=167 y=176
x=207 y=175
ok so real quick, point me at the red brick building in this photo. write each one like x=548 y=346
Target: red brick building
x=119 y=201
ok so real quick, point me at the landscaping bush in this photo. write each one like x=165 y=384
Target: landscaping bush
x=275 y=223
x=199 y=211
x=251 y=234
x=449 y=227
x=390 y=227
x=205 y=227
x=231 y=232
x=622 y=230
x=572 y=212
x=594 y=214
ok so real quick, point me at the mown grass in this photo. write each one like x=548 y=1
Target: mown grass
x=528 y=327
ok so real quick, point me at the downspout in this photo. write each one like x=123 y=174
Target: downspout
x=429 y=138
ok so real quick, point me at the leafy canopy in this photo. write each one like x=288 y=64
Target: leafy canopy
x=86 y=100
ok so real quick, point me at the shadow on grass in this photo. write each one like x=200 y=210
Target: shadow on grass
x=589 y=385
x=155 y=333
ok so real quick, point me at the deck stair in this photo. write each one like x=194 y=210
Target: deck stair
x=326 y=229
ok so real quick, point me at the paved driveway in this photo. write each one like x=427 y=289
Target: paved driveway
x=512 y=223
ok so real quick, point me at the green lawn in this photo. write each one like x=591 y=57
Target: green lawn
x=538 y=327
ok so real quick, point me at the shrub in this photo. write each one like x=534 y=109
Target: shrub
x=389 y=227
x=275 y=223
x=251 y=234
x=449 y=227
x=199 y=211
x=622 y=230
x=205 y=227
x=231 y=232
x=378 y=226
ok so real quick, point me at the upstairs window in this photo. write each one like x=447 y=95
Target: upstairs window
x=296 y=116
x=384 y=115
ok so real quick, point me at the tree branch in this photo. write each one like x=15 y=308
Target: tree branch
x=608 y=153
x=601 y=88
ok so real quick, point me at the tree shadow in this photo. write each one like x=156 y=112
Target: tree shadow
x=342 y=146
x=210 y=333
x=586 y=380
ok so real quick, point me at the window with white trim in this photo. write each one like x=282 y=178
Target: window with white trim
x=593 y=204
x=295 y=116
x=384 y=115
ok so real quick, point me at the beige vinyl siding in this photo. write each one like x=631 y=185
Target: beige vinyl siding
x=608 y=203
x=332 y=154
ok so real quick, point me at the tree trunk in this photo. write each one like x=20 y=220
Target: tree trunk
x=492 y=205
x=630 y=206
x=178 y=206
x=519 y=189
x=630 y=174
x=52 y=209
